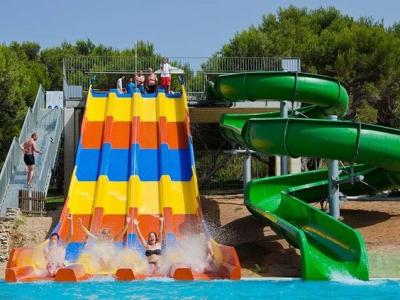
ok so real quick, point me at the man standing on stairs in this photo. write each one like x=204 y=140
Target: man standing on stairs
x=29 y=148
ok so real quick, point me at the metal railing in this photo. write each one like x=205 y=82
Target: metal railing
x=79 y=70
x=71 y=91
x=14 y=154
x=43 y=180
x=221 y=172
x=27 y=126
x=38 y=104
x=31 y=117
x=9 y=167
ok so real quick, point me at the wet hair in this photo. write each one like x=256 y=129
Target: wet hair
x=33 y=135
x=105 y=230
x=55 y=234
x=155 y=234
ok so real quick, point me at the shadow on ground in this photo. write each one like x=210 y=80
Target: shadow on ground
x=269 y=258
x=357 y=218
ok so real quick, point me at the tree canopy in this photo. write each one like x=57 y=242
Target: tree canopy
x=23 y=66
x=362 y=53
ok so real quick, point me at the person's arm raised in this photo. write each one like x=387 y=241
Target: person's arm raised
x=141 y=238
x=123 y=231
x=161 y=235
x=87 y=232
x=70 y=229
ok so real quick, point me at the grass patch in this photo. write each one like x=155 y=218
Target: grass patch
x=52 y=203
x=18 y=222
x=57 y=199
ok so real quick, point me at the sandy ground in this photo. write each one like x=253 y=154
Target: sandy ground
x=261 y=251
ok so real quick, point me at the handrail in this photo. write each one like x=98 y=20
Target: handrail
x=26 y=126
x=14 y=154
x=43 y=165
x=39 y=103
x=31 y=117
x=8 y=168
x=43 y=180
x=78 y=70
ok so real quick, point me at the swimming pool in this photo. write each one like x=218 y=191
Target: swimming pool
x=219 y=289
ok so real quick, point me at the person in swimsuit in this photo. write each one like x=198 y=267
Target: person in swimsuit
x=152 y=245
x=104 y=248
x=139 y=78
x=29 y=148
x=54 y=253
x=151 y=82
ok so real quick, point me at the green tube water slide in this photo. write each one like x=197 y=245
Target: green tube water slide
x=328 y=247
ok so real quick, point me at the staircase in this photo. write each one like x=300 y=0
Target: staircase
x=48 y=124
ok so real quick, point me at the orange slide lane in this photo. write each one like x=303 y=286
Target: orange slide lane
x=149 y=135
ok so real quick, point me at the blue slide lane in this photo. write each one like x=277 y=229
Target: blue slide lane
x=148 y=164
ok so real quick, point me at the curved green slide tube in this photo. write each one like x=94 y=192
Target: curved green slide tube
x=328 y=247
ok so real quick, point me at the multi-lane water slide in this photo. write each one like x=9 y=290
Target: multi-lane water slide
x=328 y=247
x=134 y=158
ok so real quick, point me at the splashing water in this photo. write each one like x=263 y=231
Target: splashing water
x=344 y=277
x=102 y=257
x=189 y=250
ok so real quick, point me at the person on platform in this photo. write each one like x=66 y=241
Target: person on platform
x=165 y=75
x=130 y=87
x=120 y=88
x=139 y=79
x=151 y=82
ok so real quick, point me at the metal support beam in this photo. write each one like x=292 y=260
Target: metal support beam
x=246 y=162
x=333 y=193
x=333 y=187
x=72 y=121
x=246 y=169
x=284 y=158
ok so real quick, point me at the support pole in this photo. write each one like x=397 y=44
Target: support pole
x=246 y=169
x=284 y=158
x=333 y=189
x=136 y=58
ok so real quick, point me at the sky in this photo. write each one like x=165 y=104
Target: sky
x=176 y=27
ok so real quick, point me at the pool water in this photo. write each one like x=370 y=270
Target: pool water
x=220 y=289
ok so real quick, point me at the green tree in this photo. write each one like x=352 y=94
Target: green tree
x=23 y=66
x=14 y=86
x=362 y=53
